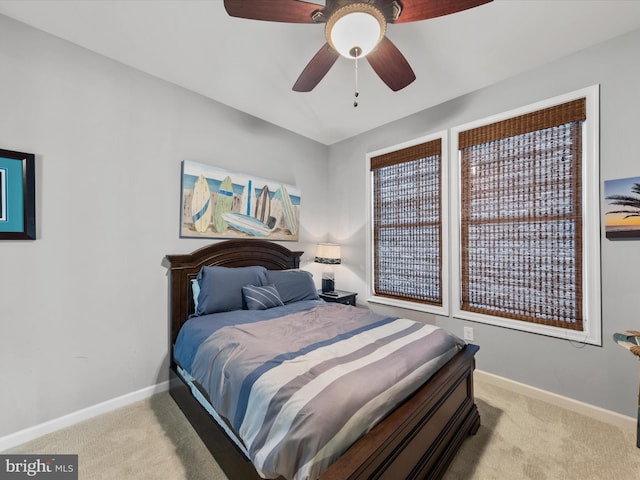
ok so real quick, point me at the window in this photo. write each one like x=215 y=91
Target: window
x=527 y=235
x=408 y=186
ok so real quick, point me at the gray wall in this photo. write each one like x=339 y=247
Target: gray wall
x=605 y=376
x=83 y=309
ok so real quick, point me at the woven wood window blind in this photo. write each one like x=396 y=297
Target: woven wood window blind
x=407 y=227
x=521 y=217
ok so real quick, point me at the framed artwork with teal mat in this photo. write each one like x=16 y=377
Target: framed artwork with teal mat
x=17 y=196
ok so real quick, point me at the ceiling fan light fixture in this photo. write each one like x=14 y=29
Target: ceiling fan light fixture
x=354 y=30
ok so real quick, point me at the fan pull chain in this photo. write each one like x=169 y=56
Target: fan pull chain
x=355 y=52
x=355 y=99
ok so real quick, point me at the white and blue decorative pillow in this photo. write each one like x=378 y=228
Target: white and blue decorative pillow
x=261 y=298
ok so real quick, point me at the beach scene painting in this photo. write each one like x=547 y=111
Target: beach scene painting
x=217 y=203
x=622 y=209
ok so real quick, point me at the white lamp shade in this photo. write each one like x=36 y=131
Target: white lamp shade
x=328 y=253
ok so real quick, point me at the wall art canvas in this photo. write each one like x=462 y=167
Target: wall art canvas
x=17 y=196
x=622 y=210
x=217 y=203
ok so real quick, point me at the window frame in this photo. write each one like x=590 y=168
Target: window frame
x=591 y=304
x=444 y=218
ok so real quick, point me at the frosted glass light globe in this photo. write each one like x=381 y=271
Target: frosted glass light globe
x=355 y=30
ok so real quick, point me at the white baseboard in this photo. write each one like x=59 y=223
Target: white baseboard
x=31 y=433
x=597 y=413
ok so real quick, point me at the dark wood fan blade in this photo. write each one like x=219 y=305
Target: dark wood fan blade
x=290 y=11
x=391 y=66
x=415 y=10
x=316 y=69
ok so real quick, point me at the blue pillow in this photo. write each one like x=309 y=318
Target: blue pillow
x=293 y=285
x=221 y=287
x=261 y=298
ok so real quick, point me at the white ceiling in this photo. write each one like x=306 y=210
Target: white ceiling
x=252 y=65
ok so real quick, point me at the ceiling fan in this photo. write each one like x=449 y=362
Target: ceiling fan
x=354 y=29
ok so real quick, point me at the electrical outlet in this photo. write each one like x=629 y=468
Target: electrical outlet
x=468 y=333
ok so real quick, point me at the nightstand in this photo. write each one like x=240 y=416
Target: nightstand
x=346 y=298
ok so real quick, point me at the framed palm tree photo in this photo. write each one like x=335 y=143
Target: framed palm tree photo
x=622 y=210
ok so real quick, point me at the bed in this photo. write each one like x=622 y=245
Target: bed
x=416 y=440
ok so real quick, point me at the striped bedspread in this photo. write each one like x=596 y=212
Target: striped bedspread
x=301 y=388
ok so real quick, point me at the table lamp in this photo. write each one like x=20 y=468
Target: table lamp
x=328 y=254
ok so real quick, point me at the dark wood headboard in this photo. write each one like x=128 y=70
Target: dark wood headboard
x=230 y=253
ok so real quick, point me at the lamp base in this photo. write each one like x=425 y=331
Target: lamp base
x=328 y=285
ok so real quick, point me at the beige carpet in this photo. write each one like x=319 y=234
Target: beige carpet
x=520 y=438
x=525 y=438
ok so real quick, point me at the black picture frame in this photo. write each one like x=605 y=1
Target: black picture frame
x=17 y=196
